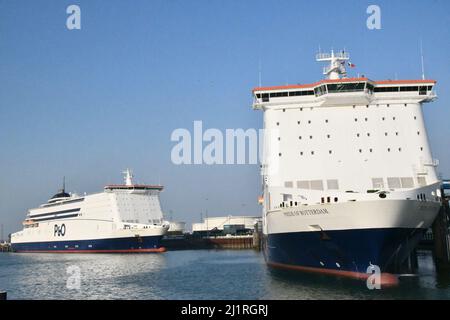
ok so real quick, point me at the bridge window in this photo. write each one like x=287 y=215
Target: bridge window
x=346 y=87
x=422 y=90
x=278 y=94
x=318 y=91
x=301 y=93
x=409 y=88
x=386 y=89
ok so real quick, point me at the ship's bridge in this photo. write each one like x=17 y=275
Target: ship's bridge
x=339 y=90
x=345 y=91
x=131 y=187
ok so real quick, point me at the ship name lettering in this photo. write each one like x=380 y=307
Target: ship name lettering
x=309 y=212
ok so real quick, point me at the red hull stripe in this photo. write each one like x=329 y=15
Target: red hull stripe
x=387 y=279
x=162 y=249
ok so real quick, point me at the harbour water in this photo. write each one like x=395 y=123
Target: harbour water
x=193 y=274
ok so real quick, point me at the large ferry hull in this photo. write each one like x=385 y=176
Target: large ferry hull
x=345 y=252
x=346 y=239
x=144 y=244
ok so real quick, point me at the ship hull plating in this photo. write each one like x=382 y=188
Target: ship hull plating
x=144 y=244
x=319 y=239
x=341 y=252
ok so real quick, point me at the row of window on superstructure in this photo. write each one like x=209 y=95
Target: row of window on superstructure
x=370 y=150
x=377 y=183
x=343 y=87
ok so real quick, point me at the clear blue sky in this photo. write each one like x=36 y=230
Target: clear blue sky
x=88 y=103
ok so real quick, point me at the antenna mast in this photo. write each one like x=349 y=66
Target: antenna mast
x=336 y=68
x=421 y=58
x=128 y=177
x=259 y=72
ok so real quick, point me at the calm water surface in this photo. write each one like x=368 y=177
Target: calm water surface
x=199 y=274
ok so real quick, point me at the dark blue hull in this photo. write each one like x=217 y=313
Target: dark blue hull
x=342 y=250
x=111 y=245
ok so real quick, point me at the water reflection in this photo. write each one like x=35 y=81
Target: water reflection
x=199 y=274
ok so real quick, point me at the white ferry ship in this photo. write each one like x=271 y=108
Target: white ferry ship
x=348 y=175
x=122 y=218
